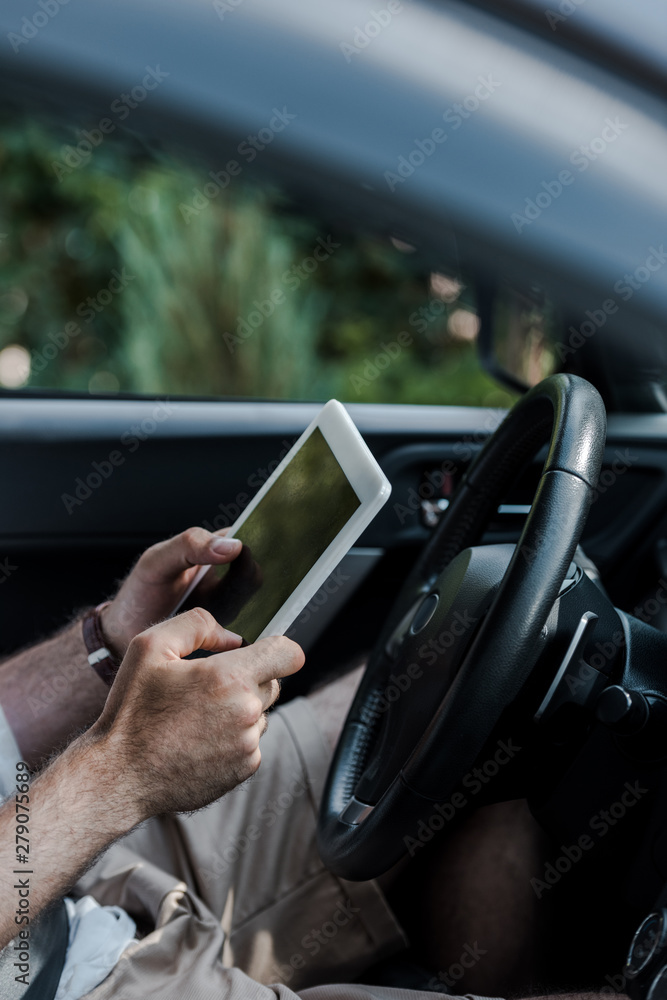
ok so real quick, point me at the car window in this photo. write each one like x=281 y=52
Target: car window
x=123 y=272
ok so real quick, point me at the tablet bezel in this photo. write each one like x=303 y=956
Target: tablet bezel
x=366 y=479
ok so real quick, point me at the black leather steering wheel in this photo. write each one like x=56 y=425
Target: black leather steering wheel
x=464 y=634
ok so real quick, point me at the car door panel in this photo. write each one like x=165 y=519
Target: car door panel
x=89 y=483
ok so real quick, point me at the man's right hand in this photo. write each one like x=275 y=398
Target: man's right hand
x=174 y=735
x=184 y=732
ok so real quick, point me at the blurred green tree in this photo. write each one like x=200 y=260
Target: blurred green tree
x=116 y=276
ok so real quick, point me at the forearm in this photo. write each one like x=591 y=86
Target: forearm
x=74 y=809
x=49 y=692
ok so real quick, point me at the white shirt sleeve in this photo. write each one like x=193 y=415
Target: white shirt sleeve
x=97 y=934
x=9 y=757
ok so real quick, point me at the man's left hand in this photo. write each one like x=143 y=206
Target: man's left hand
x=158 y=581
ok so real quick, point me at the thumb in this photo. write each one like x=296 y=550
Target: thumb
x=177 y=637
x=194 y=547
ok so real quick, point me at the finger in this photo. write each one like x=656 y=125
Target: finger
x=267 y=659
x=274 y=657
x=269 y=692
x=179 y=636
x=257 y=731
x=254 y=759
x=193 y=547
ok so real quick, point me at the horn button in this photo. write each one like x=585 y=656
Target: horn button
x=426 y=651
x=424 y=613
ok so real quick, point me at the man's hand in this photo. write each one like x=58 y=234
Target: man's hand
x=158 y=581
x=187 y=731
x=174 y=735
x=49 y=691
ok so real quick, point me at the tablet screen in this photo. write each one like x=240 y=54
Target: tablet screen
x=284 y=536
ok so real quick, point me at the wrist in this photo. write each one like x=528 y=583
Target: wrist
x=104 y=783
x=113 y=634
x=101 y=656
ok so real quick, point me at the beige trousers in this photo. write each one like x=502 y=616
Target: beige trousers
x=235 y=897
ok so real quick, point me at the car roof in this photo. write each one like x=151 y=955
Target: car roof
x=629 y=39
x=364 y=96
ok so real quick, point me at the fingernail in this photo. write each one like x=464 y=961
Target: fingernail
x=234 y=635
x=225 y=546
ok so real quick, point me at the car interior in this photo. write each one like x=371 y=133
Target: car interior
x=521 y=565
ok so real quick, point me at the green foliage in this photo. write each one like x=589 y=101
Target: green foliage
x=118 y=273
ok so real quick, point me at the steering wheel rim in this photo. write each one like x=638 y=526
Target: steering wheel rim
x=360 y=838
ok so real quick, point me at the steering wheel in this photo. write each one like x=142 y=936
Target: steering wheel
x=464 y=634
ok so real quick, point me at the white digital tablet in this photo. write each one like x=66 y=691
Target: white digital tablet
x=296 y=530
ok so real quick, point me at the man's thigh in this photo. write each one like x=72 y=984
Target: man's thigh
x=251 y=859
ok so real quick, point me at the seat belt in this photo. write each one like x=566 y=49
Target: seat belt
x=43 y=953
